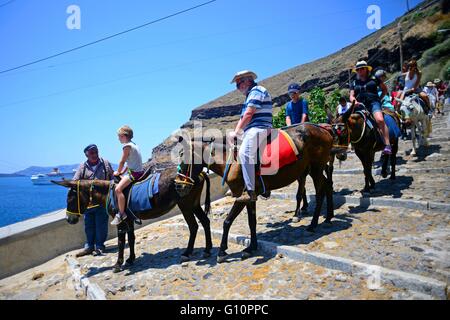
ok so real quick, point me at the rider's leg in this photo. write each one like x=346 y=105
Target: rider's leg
x=425 y=98
x=247 y=158
x=382 y=127
x=124 y=182
x=379 y=118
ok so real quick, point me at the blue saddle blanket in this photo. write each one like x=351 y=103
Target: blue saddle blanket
x=140 y=194
x=394 y=130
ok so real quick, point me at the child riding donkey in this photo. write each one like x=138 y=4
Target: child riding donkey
x=132 y=157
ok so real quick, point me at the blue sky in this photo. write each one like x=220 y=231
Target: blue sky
x=151 y=78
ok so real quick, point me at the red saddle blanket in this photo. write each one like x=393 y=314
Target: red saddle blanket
x=279 y=152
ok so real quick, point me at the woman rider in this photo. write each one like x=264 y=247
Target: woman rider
x=412 y=84
x=365 y=90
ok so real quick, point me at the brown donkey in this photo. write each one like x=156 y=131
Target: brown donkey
x=353 y=127
x=314 y=145
x=84 y=194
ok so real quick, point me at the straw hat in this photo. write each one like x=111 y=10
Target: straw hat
x=242 y=74
x=430 y=84
x=437 y=81
x=362 y=64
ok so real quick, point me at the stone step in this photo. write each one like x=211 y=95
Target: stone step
x=158 y=274
x=339 y=200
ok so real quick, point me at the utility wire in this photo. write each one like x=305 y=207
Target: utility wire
x=6 y=3
x=108 y=37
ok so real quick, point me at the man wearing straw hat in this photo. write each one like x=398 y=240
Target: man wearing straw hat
x=432 y=93
x=441 y=88
x=364 y=89
x=254 y=127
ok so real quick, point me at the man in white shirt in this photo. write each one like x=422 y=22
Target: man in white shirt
x=343 y=106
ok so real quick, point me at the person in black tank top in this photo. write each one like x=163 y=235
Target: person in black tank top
x=365 y=90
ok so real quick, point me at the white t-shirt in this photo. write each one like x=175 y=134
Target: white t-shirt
x=134 y=160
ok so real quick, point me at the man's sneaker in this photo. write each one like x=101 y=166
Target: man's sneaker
x=387 y=150
x=98 y=252
x=118 y=219
x=85 y=252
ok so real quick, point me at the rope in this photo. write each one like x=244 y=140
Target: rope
x=362 y=134
x=227 y=167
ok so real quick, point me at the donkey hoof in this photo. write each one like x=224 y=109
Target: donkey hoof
x=296 y=219
x=247 y=253
x=384 y=174
x=327 y=224
x=222 y=258
x=184 y=258
x=117 y=268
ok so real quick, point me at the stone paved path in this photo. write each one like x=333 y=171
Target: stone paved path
x=48 y=281
x=157 y=274
x=411 y=246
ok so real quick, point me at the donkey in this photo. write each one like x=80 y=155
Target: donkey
x=314 y=145
x=413 y=114
x=337 y=152
x=91 y=193
x=353 y=126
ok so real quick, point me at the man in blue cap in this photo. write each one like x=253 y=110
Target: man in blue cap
x=296 y=109
x=95 y=219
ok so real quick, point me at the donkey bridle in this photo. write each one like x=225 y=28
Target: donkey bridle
x=90 y=205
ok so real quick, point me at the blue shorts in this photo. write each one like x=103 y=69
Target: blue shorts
x=374 y=107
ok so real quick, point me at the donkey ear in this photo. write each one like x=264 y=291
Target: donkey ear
x=65 y=183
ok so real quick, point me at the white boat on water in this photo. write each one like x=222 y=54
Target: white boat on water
x=45 y=179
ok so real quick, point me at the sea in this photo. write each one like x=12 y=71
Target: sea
x=21 y=200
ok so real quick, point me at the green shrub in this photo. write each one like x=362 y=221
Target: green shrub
x=435 y=53
x=432 y=71
x=416 y=17
x=445 y=72
x=279 y=120
x=333 y=100
x=317 y=112
x=444 y=25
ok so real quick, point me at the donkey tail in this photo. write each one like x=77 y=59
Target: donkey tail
x=208 y=194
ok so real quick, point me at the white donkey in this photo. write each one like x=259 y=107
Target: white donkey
x=413 y=114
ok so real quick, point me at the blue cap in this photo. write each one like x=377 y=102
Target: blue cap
x=90 y=147
x=294 y=87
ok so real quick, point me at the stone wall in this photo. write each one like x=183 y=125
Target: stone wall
x=32 y=242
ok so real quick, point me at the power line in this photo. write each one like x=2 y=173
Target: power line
x=109 y=37
x=6 y=3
